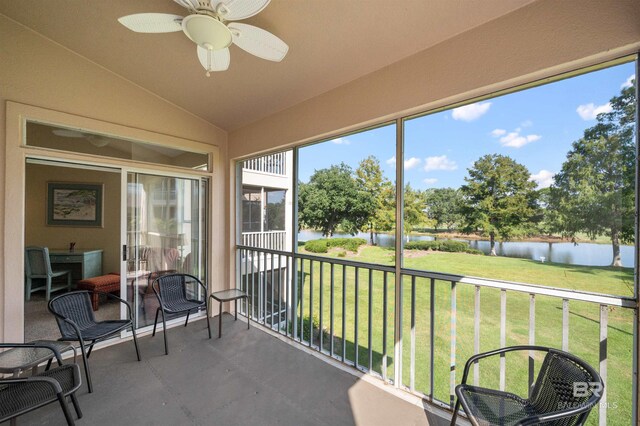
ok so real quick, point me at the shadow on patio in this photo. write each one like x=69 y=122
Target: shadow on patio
x=246 y=378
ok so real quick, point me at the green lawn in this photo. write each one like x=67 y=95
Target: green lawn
x=584 y=318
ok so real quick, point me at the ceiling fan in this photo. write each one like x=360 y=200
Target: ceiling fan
x=98 y=141
x=208 y=26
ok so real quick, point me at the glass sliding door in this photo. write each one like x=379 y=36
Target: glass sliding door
x=165 y=234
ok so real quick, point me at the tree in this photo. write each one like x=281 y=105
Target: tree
x=333 y=198
x=498 y=198
x=414 y=208
x=443 y=206
x=594 y=191
x=370 y=178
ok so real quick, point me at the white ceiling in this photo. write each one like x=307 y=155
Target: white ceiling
x=331 y=43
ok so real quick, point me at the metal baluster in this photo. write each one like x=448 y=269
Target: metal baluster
x=294 y=287
x=384 y=327
x=355 y=331
x=272 y=284
x=565 y=325
x=280 y=293
x=310 y=303
x=370 y=315
x=320 y=325
x=412 y=368
x=254 y=277
x=344 y=310
x=246 y=282
x=265 y=292
x=331 y=314
x=532 y=338
x=503 y=336
x=432 y=336
x=452 y=363
x=476 y=336
x=604 y=319
x=302 y=281
x=288 y=292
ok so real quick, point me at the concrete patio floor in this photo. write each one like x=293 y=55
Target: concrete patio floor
x=248 y=377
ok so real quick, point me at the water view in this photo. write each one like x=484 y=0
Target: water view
x=587 y=254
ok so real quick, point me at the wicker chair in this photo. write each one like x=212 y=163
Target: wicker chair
x=553 y=399
x=20 y=395
x=179 y=294
x=74 y=315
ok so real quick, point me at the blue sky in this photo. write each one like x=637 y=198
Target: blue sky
x=535 y=127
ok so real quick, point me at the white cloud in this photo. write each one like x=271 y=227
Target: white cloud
x=544 y=178
x=430 y=181
x=439 y=163
x=471 y=112
x=341 y=141
x=627 y=83
x=516 y=140
x=411 y=163
x=590 y=111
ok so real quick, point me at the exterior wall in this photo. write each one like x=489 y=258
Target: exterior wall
x=539 y=40
x=36 y=71
x=267 y=180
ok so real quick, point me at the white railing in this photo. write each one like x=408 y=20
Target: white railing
x=345 y=310
x=274 y=164
x=271 y=240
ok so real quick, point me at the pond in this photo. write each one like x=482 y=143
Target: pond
x=588 y=254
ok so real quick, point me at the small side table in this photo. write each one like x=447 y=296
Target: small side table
x=16 y=360
x=228 y=296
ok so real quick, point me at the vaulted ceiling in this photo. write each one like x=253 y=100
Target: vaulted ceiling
x=331 y=42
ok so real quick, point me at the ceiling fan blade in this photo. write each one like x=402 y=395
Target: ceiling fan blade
x=234 y=10
x=68 y=133
x=214 y=60
x=152 y=22
x=258 y=42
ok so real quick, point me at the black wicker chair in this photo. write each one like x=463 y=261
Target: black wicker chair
x=179 y=294
x=553 y=399
x=20 y=395
x=74 y=315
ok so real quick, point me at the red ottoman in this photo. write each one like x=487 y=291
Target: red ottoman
x=109 y=283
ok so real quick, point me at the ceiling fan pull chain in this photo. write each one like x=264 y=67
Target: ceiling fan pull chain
x=209 y=67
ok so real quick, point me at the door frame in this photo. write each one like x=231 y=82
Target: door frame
x=123 y=235
x=17 y=152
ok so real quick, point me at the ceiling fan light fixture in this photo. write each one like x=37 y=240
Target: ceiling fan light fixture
x=207 y=31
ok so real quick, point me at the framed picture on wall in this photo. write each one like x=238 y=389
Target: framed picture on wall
x=74 y=204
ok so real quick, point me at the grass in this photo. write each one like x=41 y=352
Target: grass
x=584 y=319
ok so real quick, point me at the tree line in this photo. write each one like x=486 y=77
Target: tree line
x=594 y=192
